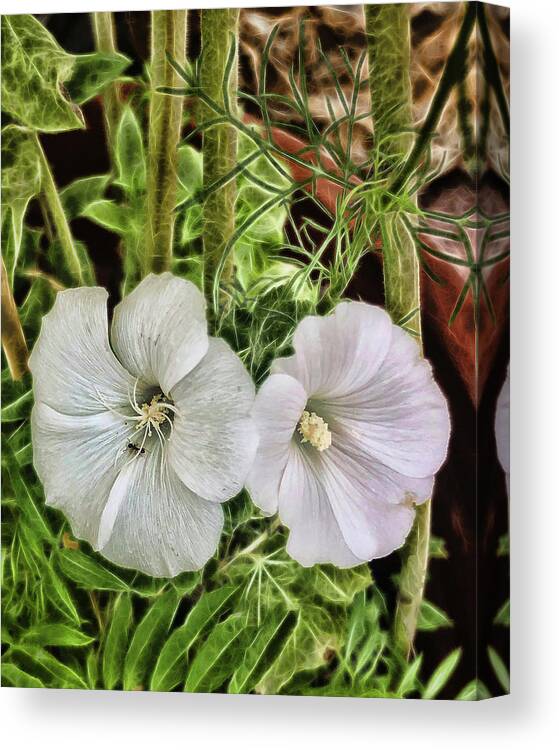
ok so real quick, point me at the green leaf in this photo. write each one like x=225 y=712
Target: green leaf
x=442 y=674
x=307 y=647
x=16 y=677
x=87 y=573
x=189 y=172
x=79 y=194
x=336 y=585
x=437 y=548
x=111 y=215
x=503 y=615
x=18 y=409
x=117 y=641
x=60 y=674
x=59 y=595
x=21 y=181
x=410 y=679
x=56 y=634
x=147 y=639
x=34 y=67
x=262 y=651
x=503 y=549
x=130 y=153
x=473 y=691
x=218 y=656
x=93 y=72
x=432 y=617
x=500 y=669
x=171 y=663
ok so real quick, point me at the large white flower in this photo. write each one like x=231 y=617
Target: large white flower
x=139 y=444
x=352 y=430
x=502 y=428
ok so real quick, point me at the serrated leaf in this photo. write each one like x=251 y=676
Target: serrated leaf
x=61 y=674
x=34 y=68
x=56 y=634
x=262 y=651
x=503 y=615
x=93 y=72
x=171 y=663
x=147 y=639
x=76 y=196
x=16 y=677
x=87 y=573
x=117 y=641
x=500 y=669
x=130 y=153
x=432 y=617
x=473 y=691
x=111 y=215
x=442 y=675
x=218 y=656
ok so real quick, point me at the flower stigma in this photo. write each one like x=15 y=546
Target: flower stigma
x=314 y=430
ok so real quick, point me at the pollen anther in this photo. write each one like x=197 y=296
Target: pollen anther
x=314 y=430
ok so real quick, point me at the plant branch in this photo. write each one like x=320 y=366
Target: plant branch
x=218 y=77
x=13 y=340
x=168 y=39
x=58 y=217
x=104 y=34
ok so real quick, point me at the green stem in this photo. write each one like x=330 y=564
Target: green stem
x=454 y=71
x=58 y=217
x=219 y=31
x=388 y=36
x=104 y=34
x=13 y=340
x=168 y=39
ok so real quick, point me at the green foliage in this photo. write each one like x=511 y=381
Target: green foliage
x=92 y=73
x=34 y=69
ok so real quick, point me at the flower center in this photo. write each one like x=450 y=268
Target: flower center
x=153 y=415
x=314 y=430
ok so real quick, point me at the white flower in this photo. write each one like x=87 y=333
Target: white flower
x=352 y=430
x=502 y=428
x=139 y=444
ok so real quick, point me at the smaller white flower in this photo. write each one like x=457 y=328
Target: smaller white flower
x=139 y=444
x=502 y=429
x=353 y=429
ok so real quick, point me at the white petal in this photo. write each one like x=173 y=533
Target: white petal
x=370 y=526
x=337 y=354
x=399 y=418
x=502 y=426
x=153 y=523
x=277 y=409
x=76 y=458
x=159 y=331
x=214 y=437
x=304 y=507
x=74 y=369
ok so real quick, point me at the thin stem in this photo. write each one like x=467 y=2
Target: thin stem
x=454 y=71
x=13 y=340
x=58 y=217
x=104 y=34
x=388 y=36
x=168 y=39
x=219 y=30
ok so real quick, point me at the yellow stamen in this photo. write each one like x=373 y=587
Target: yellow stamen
x=314 y=430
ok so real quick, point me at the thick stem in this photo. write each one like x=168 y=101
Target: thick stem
x=104 y=34
x=13 y=340
x=219 y=32
x=168 y=39
x=58 y=217
x=388 y=37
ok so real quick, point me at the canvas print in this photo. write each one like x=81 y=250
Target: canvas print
x=255 y=385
